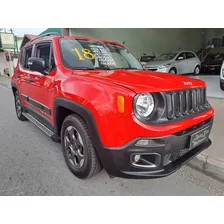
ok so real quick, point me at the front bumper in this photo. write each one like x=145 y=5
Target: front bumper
x=211 y=69
x=169 y=154
x=157 y=69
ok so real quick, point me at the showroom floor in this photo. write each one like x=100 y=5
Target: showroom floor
x=213 y=85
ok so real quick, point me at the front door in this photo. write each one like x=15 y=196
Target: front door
x=41 y=86
x=180 y=63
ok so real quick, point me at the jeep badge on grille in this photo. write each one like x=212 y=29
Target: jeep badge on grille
x=187 y=83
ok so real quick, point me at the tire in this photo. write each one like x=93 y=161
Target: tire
x=173 y=71
x=18 y=106
x=197 y=70
x=221 y=85
x=79 y=152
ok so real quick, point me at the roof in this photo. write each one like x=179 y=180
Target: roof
x=75 y=37
x=176 y=52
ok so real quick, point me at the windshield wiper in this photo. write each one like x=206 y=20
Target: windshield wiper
x=98 y=68
x=82 y=68
x=128 y=68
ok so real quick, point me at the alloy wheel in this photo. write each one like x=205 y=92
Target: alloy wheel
x=197 y=70
x=18 y=105
x=74 y=147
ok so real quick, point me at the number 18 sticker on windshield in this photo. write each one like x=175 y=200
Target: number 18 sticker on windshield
x=86 y=54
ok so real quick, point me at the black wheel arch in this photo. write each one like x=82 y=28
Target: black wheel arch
x=63 y=107
x=14 y=87
x=173 y=68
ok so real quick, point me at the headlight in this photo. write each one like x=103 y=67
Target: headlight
x=144 y=104
x=164 y=66
x=223 y=72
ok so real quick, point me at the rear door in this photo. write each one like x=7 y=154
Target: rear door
x=191 y=61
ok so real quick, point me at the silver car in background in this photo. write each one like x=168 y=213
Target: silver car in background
x=181 y=62
x=222 y=77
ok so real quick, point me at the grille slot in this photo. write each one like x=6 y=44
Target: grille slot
x=182 y=103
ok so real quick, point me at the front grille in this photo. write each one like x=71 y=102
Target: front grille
x=151 y=69
x=186 y=102
x=175 y=156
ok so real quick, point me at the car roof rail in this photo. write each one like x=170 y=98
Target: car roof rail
x=46 y=35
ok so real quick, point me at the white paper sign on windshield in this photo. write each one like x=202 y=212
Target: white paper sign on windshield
x=103 y=56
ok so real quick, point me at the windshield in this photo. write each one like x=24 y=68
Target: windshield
x=147 y=58
x=91 y=54
x=214 y=57
x=165 y=57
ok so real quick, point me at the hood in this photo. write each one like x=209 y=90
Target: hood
x=213 y=62
x=143 y=81
x=157 y=63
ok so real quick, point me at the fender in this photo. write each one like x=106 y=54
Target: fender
x=13 y=84
x=81 y=111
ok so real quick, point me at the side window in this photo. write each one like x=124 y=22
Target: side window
x=25 y=56
x=181 y=56
x=189 y=55
x=44 y=51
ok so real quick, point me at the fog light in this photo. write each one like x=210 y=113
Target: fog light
x=146 y=160
x=142 y=143
x=149 y=143
x=137 y=158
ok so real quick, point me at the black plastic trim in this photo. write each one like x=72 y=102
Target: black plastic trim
x=118 y=161
x=40 y=117
x=37 y=104
x=13 y=84
x=80 y=110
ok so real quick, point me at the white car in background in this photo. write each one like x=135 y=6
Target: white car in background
x=179 y=62
x=222 y=77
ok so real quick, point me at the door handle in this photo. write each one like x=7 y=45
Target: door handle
x=18 y=76
x=29 y=80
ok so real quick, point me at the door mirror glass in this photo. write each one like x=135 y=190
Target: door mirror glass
x=180 y=58
x=37 y=64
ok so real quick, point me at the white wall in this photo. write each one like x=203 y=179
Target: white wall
x=149 y=40
x=214 y=33
x=19 y=42
x=3 y=63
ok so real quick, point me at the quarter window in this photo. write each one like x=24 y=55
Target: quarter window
x=189 y=55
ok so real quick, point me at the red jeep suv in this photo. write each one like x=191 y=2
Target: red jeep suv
x=107 y=111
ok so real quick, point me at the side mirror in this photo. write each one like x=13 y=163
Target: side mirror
x=37 y=64
x=180 y=58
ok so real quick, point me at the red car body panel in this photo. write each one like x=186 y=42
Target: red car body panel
x=98 y=91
